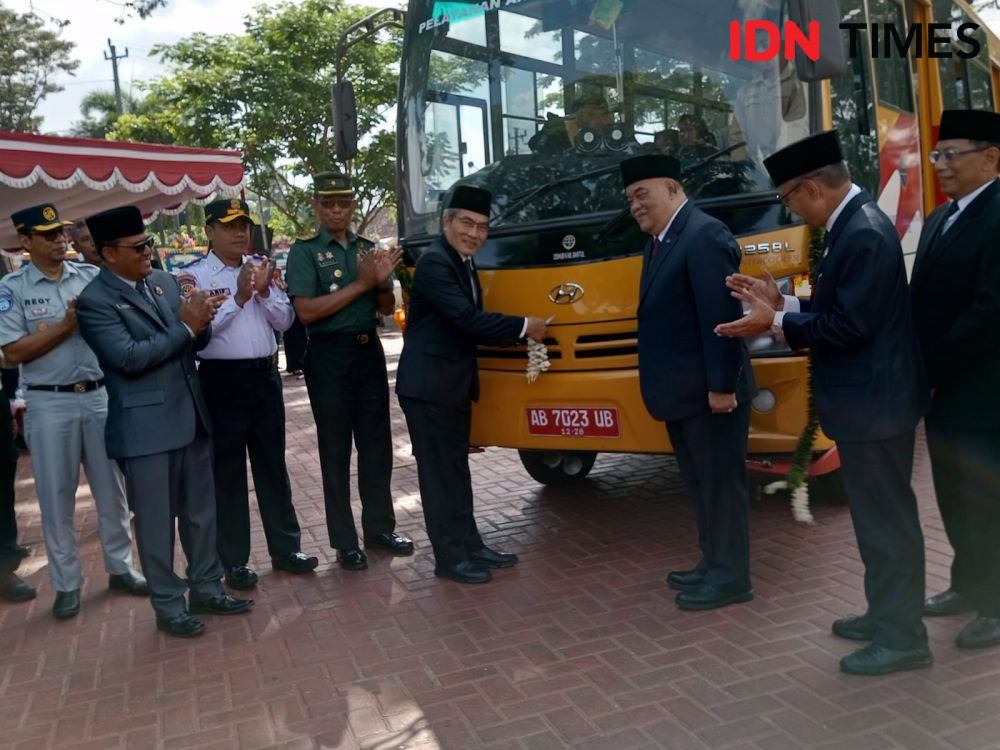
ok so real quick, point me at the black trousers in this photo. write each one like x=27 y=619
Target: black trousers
x=248 y=416
x=349 y=394
x=295 y=345
x=883 y=509
x=711 y=451
x=440 y=438
x=966 y=470
x=9 y=559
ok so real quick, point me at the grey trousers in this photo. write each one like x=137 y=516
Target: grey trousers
x=174 y=493
x=63 y=430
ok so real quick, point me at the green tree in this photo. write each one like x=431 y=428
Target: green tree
x=266 y=92
x=100 y=113
x=31 y=55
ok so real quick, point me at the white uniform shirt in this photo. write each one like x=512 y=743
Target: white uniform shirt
x=237 y=333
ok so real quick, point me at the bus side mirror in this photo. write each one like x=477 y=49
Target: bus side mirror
x=345 y=120
x=832 y=61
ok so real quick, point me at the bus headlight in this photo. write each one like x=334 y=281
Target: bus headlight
x=764 y=401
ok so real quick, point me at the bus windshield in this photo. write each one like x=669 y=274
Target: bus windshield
x=538 y=100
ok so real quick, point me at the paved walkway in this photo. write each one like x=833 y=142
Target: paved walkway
x=579 y=646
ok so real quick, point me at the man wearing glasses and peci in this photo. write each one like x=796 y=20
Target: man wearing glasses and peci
x=67 y=407
x=956 y=307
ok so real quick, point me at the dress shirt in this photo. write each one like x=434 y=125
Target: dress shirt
x=239 y=332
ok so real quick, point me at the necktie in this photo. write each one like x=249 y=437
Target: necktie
x=949 y=218
x=654 y=248
x=472 y=279
x=140 y=286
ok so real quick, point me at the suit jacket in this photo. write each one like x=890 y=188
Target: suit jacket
x=955 y=290
x=682 y=297
x=154 y=397
x=867 y=374
x=444 y=325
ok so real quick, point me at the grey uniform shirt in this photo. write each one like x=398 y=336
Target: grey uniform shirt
x=31 y=302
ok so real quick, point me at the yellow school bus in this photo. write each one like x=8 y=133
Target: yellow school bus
x=539 y=100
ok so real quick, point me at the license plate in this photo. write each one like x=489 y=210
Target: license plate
x=582 y=421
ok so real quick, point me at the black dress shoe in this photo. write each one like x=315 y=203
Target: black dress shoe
x=14 y=589
x=352 y=559
x=854 y=628
x=223 y=604
x=66 y=605
x=241 y=578
x=946 y=603
x=712 y=597
x=129 y=582
x=489 y=558
x=464 y=572
x=295 y=563
x=684 y=580
x=181 y=626
x=390 y=540
x=982 y=632
x=874 y=660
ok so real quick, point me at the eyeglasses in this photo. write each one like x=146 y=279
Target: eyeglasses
x=52 y=234
x=139 y=247
x=784 y=198
x=949 y=155
x=482 y=227
x=337 y=203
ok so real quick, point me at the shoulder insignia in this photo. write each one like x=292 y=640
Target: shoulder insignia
x=188 y=284
x=6 y=299
x=190 y=263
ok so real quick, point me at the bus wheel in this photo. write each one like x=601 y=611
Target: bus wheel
x=557 y=468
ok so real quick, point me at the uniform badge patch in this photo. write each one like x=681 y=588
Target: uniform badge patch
x=48 y=213
x=187 y=283
x=43 y=326
x=6 y=300
x=338 y=273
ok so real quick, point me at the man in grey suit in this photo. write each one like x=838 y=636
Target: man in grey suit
x=158 y=428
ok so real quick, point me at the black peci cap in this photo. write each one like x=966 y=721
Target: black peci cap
x=974 y=124
x=471 y=199
x=115 y=223
x=803 y=157
x=649 y=167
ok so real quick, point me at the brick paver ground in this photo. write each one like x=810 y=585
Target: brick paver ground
x=580 y=646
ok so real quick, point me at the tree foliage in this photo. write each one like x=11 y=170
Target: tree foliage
x=266 y=92
x=31 y=56
x=100 y=113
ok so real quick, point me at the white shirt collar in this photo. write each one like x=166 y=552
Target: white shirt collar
x=964 y=202
x=666 y=229
x=851 y=194
x=128 y=282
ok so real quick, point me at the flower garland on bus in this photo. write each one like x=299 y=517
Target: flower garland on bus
x=797 y=479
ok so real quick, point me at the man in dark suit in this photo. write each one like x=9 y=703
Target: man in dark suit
x=955 y=288
x=869 y=387
x=157 y=428
x=699 y=384
x=437 y=381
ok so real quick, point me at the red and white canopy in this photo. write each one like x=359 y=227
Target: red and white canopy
x=83 y=176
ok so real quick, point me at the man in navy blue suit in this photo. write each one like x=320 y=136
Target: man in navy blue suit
x=438 y=379
x=869 y=386
x=699 y=384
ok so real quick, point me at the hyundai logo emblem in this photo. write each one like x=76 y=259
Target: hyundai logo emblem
x=566 y=294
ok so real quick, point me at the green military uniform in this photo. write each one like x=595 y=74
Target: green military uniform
x=346 y=379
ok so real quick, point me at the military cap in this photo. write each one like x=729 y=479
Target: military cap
x=648 y=167
x=332 y=183
x=225 y=210
x=40 y=218
x=803 y=157
x=115 y=223
x=471 y=199
x=974 y=124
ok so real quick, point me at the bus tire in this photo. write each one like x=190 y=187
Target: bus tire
x=557 y=468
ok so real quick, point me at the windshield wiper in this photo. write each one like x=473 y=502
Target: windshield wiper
x=525 y=197
x=617 y=222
